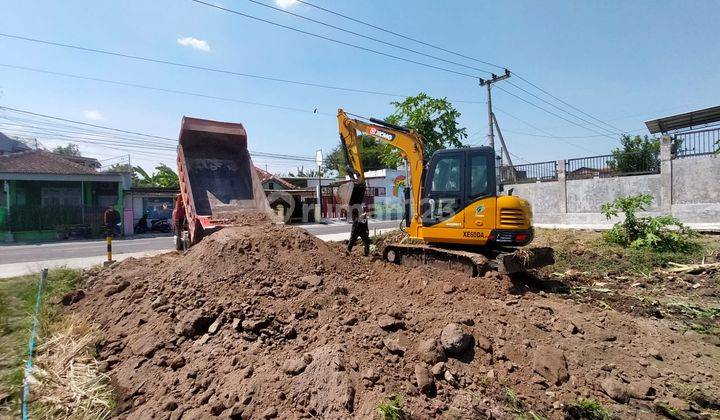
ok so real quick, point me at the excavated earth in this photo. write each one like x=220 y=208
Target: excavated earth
x=267 y=321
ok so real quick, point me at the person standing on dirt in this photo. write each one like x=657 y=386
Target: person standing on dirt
x=360 y=229
x=111 y=218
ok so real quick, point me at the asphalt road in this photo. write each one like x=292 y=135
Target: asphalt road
x=12 y=254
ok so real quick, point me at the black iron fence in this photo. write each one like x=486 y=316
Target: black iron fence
x=698 y=143
x=81 y=221
x=531 y=172
x=613 y=165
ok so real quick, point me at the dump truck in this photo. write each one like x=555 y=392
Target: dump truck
x=452 y=204
x=217 y=179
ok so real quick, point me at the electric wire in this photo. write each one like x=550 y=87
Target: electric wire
x=151 y=136
x=560 y=109
x=326 y=38
x=201 y=68
x=553 y=113
x=409 y=38
x=319 y=22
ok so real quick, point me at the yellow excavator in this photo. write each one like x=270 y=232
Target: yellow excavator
x=452 y=204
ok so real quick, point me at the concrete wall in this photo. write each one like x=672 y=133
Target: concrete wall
x=688 y=188
x=587 y=195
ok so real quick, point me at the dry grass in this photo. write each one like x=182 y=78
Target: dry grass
x=66 y=380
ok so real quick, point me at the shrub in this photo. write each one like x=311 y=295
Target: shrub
x=587 y=410
x=659 y=234
x=392 y=409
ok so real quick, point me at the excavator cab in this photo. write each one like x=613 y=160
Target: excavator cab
x=460 y=203
x=454 y=179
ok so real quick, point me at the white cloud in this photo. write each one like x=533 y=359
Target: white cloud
x=94 y=115
x=198 y=44
x=285 y=4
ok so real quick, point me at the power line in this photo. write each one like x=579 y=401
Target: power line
x=562 y=110
x=326 y=38
x=562 y=101
x=265 y=154
x=544 y=131
x=319 y=22
x=211 y=69
x=362 y=22
x=400 y=35
x=566 y=137
x=553 y=113
x=159 y=89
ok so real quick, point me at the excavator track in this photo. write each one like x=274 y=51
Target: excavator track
x=471 y=263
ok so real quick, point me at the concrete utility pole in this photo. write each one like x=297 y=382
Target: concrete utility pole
x=488 y=82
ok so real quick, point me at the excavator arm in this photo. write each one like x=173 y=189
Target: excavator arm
x=407 y=141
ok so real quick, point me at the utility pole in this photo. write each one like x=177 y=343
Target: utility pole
x=488 y=82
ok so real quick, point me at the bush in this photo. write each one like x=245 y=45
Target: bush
x=659 y=234
x=392 y=409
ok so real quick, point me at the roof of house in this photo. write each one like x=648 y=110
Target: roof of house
x=41 y=162
x=267 y=176
x=81 y=160
x=685 y=120
x=8 y=145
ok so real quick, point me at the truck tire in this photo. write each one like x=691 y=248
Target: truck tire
x=178 y=242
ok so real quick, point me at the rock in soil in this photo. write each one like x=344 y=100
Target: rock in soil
x=324 y=350
x=455 y=339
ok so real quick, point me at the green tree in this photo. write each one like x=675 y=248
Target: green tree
x=71 y=149
x=162 y=177
x=661 y=234
x=372 y=152
x=121 y=167
x=639 y=154
x=305 y=173
x=434 y=118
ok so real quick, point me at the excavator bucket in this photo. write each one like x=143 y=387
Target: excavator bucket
x=351 y=193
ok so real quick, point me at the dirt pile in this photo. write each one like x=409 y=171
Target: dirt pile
x=267 y=321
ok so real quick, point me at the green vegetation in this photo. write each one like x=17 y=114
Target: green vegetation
x=589 y=252
x=518 y=408
x=162 y=177
x=661 y=234
x=71 y=149
x=392 y=409
x=670 y=412
x=436 y=119
x=639 y=154
x=587 y=410
x=83 y=391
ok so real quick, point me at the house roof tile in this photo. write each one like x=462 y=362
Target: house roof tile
x=41 y=162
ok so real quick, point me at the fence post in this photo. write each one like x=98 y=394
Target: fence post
x=562 y=184
x=666 y=173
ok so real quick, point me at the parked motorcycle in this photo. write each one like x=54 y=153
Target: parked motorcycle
x=157 y=225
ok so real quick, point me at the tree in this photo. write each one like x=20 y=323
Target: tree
x=164 y=177
x=305 y=173
x=372 y=151
x=434 y=118
x=639 y=154
x=71 y=149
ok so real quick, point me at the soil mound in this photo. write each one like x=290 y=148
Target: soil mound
x=264 y=321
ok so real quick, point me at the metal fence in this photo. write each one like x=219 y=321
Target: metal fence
x=698 y=143
x=77 y=221
x=531 y=172
x=606 y=166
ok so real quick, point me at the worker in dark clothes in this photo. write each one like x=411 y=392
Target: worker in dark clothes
x=360 y=229
x=111 y=218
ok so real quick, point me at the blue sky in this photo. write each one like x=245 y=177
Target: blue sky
x=623 y=62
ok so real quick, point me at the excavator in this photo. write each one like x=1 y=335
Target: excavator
x=452 y=207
